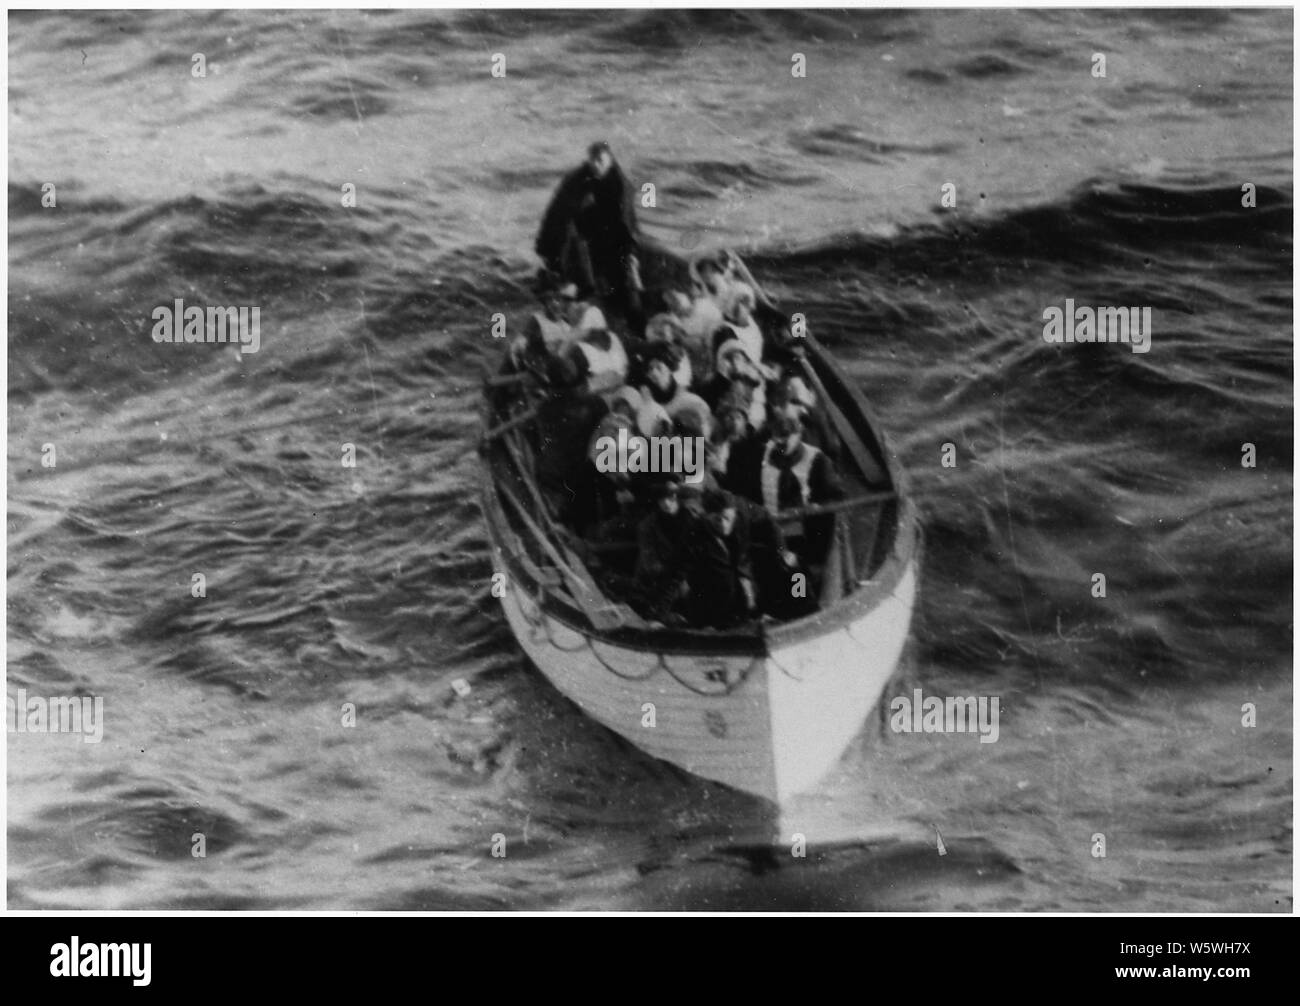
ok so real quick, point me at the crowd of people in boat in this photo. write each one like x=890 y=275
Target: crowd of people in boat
x=709 y=550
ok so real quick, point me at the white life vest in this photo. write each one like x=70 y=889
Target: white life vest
x=758 y=406
x=703 y=321
x=592 y=320
x=751 y=337
x=555 y=333
x=771 y=476
x=606 y=368
x=683 y=374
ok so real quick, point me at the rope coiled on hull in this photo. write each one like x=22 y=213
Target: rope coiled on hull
x=539 y=629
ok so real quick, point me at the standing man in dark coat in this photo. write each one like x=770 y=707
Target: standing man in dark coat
x=589 y=233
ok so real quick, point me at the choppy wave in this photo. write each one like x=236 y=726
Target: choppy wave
x=368 y=585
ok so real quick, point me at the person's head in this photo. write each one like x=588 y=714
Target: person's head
x=547 y=289
x=664 y=328
x=600 y=158
x=797 y=391
x=733 y=417
x=658 y=374
x=625 y=401
x=661 y=360
x=569 y=302
x=692 y=418
x=720 y=511
x=711 y=275
x=732 y=360
x=786 y=432
x=677 y=303
x=741 y=309
x=665 y=496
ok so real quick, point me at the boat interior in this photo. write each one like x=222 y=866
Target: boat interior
x=573 y=575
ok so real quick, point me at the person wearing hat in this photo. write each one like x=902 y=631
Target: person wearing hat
x=739 y=315
x=712 y=278
x=613 y=488
x=661 y=542
x=789 y=475
x=666 y=328
x=792 y=396
x=598 y=357
x=580 y=313
x=735 y=374
x=546 y=331
x=699 y=322
x=661 y=386
x=733 y=440
x=549 y=327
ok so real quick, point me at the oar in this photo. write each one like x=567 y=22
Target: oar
x=514 y=422
x=837 y=506
x=748 y=277
x=603 y=613
x=604 y=616
x=861 y=456
x=506 y=380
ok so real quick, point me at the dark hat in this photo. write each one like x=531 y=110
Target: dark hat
x=665 y=352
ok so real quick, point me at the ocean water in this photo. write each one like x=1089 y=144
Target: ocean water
x=1121 y=716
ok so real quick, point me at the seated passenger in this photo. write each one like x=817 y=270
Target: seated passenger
x=581 y=314
x=564 y=472
x=699 y=324
x=790 y=474
x=661 y=385
x=739 y=314
x=621 y=416
x=736 y=375
x=734 y=442
x=773 y=563
x=691 y=337
x=719 y=577
x=667 y=329
x=661 y=540
x=713 y=279
x=692 y=415
x=794 y=397
x=533 y=350
x=549 y=326
x=598 y=357
x=624 y=404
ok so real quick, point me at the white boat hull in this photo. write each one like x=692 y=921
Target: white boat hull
x=769 y=725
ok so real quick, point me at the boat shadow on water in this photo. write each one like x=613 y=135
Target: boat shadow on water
x=861 y=876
